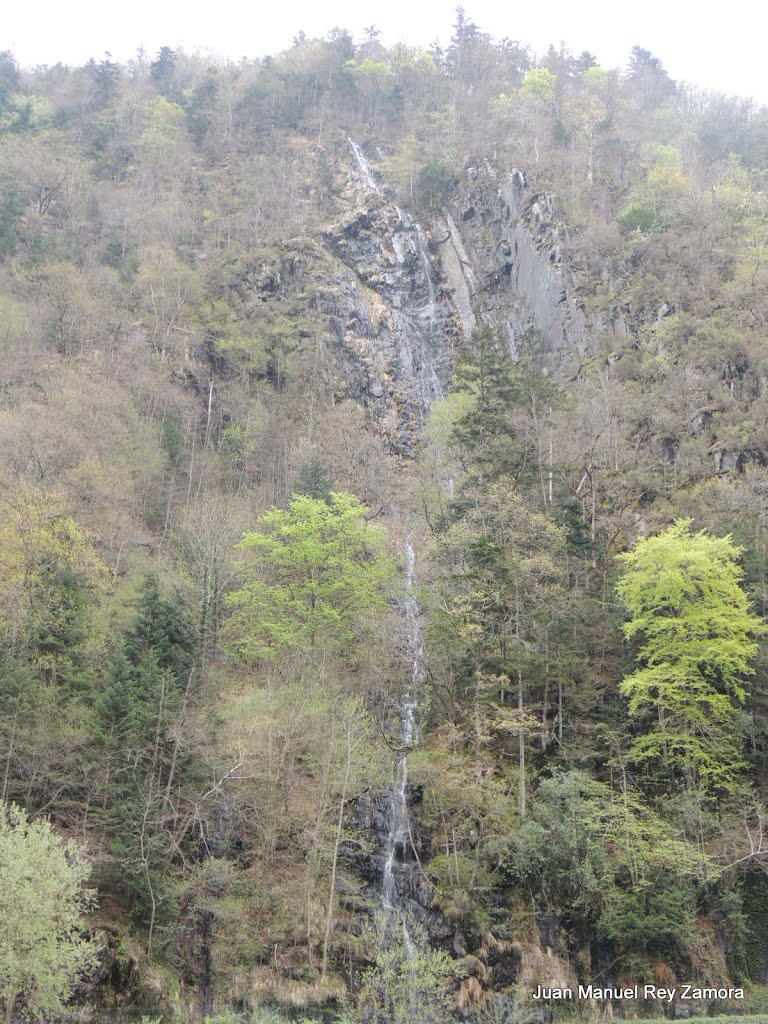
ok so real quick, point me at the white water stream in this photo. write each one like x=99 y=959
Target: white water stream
x=363 y=166
x=417 y=319
x=399 y=838
x=419 y=322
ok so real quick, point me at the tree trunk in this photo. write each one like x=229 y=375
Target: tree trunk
x=9 y=1007
x=521 y=740
x=337 y=843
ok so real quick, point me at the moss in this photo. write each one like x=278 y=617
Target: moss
x=749 y=958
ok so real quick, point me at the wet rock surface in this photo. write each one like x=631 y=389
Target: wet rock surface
x=394 y=318
x=371 y=819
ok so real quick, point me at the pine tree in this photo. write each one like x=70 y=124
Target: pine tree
x=314 y=480
x=488 y=440
x=162 y=628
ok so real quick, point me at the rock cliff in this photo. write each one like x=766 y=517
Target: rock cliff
x=502 y=250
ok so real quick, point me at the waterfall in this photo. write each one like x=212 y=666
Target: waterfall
x=364 y=167
x=420 y=333
x=417 y=315
x=399 y=829
x=419 y=320
x=399 y=839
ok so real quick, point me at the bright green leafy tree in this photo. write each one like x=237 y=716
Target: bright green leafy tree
x=410 y=980
x=42 y=947
x=312 y=574
x=697 y=640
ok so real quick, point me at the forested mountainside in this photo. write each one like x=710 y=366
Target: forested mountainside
x=383 y=535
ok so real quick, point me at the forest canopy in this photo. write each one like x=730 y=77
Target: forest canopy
x=383 y=545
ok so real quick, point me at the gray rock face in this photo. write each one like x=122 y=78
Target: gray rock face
x=371 y=816
x=397 y=320
x=457 y=270
x=515 y=271
x=536 y=269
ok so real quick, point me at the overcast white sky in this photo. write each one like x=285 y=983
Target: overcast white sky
x=715 y=44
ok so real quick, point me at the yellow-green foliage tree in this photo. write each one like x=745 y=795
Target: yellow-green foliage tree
x=48 y=573
x=313 y=574
x=43 y=950
x=698 y=639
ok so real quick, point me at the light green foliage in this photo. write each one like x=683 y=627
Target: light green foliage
x=42 y=948
x=539 y=84
x=375 y=70
x=162 y=122
x=49 y=574
x=697 y=640
x=468 y=813
x=313 y=574
x=596 y=78
x=503 y=1009
x=438 y=461
x=410 y=980
x=661 y=199
x=227 y=338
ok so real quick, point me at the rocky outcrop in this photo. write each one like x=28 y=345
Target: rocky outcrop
x=370 y=286
x=394 y=318
x=457 y=270
x=371 y=817
x=503 y=249
x=116 y=977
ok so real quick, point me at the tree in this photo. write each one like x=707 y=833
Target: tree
x=162 y=629
x=49 y=576
x=311 y=575
x=314 y=479
x=647 y=76
x=163 y=69
x=486 y=436
x=698 y=637
x=599 y=858
x=9 y=78
x=105 y=79
x=42 y=948
x=505 y=581
x=410 y=980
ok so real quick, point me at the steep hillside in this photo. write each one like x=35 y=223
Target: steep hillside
x=332 y=387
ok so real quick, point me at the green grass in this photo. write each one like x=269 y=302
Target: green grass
x=723 y=1018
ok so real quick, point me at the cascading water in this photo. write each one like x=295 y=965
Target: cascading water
x=399 y=841
x=399 y=836
x=418 y=324
x=420 y=318
x=363 y=165
x=416 y=313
